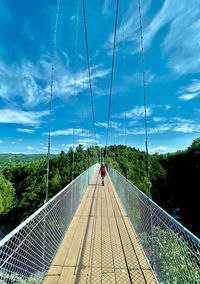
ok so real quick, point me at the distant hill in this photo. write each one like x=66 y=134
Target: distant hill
x=7 y=159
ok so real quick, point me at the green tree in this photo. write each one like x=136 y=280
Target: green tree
x=6 y=195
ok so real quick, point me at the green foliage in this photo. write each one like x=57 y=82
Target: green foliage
x=6 y=159
x=15 y=278
x=131 y=163
x=182 y=188
x=171 y=257
x=6 y=195
x=29 y=181
x=174 y=177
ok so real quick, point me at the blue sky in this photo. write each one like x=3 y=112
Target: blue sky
x=172 y=63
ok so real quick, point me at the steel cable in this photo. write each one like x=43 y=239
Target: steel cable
x=89 y=71
x=51 y=96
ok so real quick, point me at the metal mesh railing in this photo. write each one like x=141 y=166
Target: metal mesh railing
x=27 y=252
x=172 y=251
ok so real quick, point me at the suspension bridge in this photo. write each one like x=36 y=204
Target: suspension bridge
x=89 y=233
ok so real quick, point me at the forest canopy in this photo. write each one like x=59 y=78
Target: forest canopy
x=174 y=178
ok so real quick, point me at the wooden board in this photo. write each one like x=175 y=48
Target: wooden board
x=100 y=245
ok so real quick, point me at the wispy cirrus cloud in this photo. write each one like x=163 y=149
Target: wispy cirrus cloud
x=184 y=24
x=163 y=125
x=25 y=130
x=163 y=128
x=87 y=141
x=112 y=124
x=29 y=148
x=136 y=78
x=130 y=28
x=76 y=132
x=180 y=45
x=137 y=112
x=159 y=149
x=190 y=92
x=106 y=7
x=30 y=82
x=21 y=117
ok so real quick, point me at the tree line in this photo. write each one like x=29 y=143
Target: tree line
x=22 y=186
x=174 y=178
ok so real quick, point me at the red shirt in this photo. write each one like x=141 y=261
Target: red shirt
x=103 y=171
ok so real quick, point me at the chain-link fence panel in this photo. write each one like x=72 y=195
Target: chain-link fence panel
x=172 y=250
x=27 y=252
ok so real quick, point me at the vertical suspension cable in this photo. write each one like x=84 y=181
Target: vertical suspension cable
x=112 y=70
x=146 y=137
x=89 y=71
x=75 y=83
x=51 y=96
x=125 y=98
x=73 y=158
x=82 y=127
x=145 y=101
x=82 y=167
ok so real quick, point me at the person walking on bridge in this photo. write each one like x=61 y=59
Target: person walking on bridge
x=103 y=172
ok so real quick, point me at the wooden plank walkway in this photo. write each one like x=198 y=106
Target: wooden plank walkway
x=100 y=245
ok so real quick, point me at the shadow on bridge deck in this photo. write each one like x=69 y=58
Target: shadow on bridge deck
x=100 y=245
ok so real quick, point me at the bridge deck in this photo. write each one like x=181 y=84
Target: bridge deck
x=100 y=245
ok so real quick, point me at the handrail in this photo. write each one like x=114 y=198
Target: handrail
x=27 y=252
x=171 y=249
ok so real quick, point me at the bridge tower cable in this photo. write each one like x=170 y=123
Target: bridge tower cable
x=89 y=71
x=73 y=156
x=53 y=63
x=152 y=261
x=112 y=73
x=145 y=100
x=125 y=95
x=75 y=82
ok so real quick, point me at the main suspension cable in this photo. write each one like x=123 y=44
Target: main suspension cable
x=89 y=71
x=125 y=96
x=112 y=70
x=145 y=101
x=51 y=96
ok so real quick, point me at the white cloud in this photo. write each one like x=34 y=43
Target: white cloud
x=21 y=81
x=182 y=39
x=112 y=124
x=81 y=57
x=172 y=124
x=181 y=43
x=70 y=132
x=25 y=130
x=29 y=148
x=190 y=92
x=28 y=30
x=167 y=107
x=21 y=117
x=68 y=84
x=160 y=149
x=106 y=6
x=129 y=28
x=31 y=83
x=186 y=128
x=137 y=112
x=87 y=141
x=136 y=78
x=74 y=18
x=1 y=141
x=159 y=119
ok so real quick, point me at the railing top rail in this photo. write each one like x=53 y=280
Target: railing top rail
x=173 y=220
x=32 y=216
